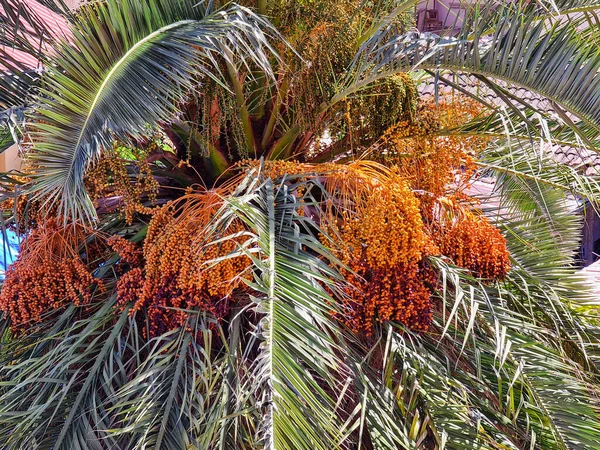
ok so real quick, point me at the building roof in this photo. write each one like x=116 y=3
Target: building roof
x=30 y=14
x=585 y=161
x=468 y=83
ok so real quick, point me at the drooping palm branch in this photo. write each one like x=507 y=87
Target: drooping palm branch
x=143 y=60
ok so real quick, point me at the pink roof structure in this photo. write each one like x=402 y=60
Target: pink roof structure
x=26 y=59
x=38 y=14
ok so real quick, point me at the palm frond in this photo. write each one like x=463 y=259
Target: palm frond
x=294 y=375
x=69 y=363
x=501 y=47
x=127 y=66
x=552 y=7
x=173 y=396
x=519 y=321
x=539 y=206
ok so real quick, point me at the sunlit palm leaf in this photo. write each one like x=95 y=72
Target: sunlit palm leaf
x=567 y=6
x=561 y=398
x=294 y=375
x=65 y=389
x=128 y=65
x=498 y=46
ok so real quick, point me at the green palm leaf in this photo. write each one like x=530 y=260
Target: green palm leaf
x=556 y=396
x=567 y=6
x=293 y=378
x=128 y=65
x=502 y=46
x=68 y=364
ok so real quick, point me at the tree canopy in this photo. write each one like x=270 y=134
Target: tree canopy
x=244 y=227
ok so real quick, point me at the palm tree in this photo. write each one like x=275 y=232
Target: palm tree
x=206 y=133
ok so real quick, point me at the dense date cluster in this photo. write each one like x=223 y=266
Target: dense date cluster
x=400 y=293
x=383 y=242
x=27 y=210
x=387 y=228
x=434 y=165
x=178 y=273
x=384 y=227
x=122 y=181
x=48 y=274
x=374 y=220
x=475 y=244
x=128 y=252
